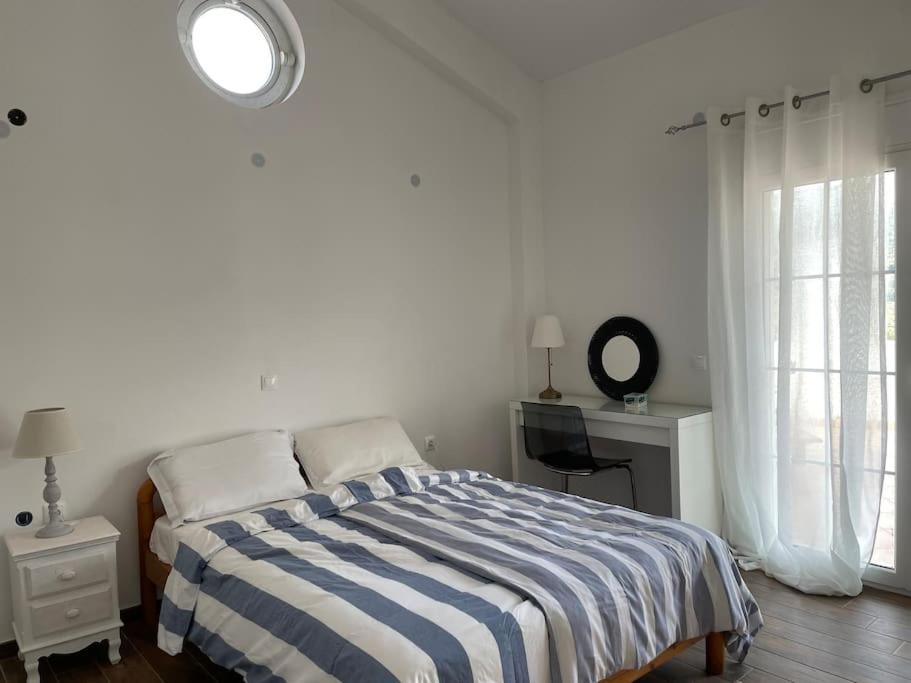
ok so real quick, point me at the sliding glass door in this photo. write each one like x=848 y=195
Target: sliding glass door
x=891 y=562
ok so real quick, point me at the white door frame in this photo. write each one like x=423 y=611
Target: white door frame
x=900 y=578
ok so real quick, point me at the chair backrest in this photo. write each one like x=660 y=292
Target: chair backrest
x=556 y=430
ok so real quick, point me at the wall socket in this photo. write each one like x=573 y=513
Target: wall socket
x=268 y=382
x=430 y=444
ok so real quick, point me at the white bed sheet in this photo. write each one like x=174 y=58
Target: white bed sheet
x=165 y=537
x=164 y=541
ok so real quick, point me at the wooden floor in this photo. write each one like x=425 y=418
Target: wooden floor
x=806 y=639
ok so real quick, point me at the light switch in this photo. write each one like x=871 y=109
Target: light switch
x=700 y=363
x=268 y=382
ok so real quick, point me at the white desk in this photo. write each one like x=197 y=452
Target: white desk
x=686 y=431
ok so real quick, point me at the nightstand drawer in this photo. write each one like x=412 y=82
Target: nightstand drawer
x=72 y=572
x=72 y=613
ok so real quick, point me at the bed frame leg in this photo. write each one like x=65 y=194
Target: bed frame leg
x=145 y=514
x=149 y=598
x=714 y=654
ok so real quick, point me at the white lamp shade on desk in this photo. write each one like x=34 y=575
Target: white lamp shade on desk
x=548 y=334
x=46 y=433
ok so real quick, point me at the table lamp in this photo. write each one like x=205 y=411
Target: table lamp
x=47 y=433
x=548 y=335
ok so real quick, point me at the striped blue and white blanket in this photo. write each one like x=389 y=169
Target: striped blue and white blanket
x=448 y=577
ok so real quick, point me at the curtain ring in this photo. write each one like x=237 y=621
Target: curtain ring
x=796 y=101
x=764 y=110
x=725 y=119
x=866 y=86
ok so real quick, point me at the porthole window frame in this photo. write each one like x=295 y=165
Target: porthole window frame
x=283 y=80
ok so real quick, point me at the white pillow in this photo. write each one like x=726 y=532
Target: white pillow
x=228 y=476
x=335 y=454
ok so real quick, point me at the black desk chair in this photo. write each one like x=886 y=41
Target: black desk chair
x=555 y=436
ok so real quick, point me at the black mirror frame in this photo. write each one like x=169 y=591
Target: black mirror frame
x=642 y=337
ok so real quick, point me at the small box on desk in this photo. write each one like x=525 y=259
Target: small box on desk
x=636 y=403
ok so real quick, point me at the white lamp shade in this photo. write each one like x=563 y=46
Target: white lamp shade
x=46 y=433
x=548 y=334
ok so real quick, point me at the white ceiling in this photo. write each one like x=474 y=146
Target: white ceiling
x=547 y=38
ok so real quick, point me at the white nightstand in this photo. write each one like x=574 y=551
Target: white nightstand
x=65 y=591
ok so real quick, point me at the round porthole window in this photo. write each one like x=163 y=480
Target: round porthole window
x=248 y=51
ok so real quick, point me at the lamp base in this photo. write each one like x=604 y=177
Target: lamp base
x=55 y=525
x=550 y=394
x=54 y=529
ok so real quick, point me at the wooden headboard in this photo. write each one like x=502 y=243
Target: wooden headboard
x=153 y=573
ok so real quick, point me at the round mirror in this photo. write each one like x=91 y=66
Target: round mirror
x=623 y=357
x=620 y=358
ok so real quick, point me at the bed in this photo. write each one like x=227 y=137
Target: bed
x=404 y=575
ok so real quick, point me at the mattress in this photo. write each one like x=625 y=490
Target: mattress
x=165 y=539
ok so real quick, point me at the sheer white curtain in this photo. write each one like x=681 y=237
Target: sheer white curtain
x=796 y=333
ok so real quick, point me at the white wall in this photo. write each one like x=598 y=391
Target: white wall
x=456 y=53
x=149 y=273
x=625 y=205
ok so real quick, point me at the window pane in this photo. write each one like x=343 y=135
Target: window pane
x=835 y=227
x=834 y=303
x=805 y=495
x=808 y=324
x=874 y=449
x=808 y=417
x=835 y=416
x=890 y=323
x=771 y=219
x=864 y=390
x=890 y=439
x=884 y=548
x=863 y=337
x=807 y=231
x=772 y=290
x=889 y=184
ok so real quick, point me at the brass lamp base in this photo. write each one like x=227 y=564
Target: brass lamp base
x=550 y=394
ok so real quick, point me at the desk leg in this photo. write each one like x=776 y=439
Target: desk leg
x=514 y=442
x=694 y=476
x=675 y=473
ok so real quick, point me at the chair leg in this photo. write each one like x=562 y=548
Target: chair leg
x=565 y=488
x=632 y=486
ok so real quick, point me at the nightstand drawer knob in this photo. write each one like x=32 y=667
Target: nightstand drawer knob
x=67 y=575
x=72 y=613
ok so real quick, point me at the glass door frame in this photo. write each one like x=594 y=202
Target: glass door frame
x=900 y=578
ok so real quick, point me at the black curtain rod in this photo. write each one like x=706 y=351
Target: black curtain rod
x=866 y=86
